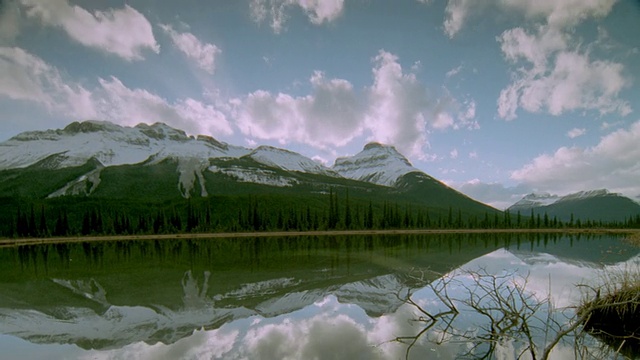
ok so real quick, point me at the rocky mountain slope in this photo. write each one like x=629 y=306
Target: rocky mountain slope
x=96 y=158
x=597 y=204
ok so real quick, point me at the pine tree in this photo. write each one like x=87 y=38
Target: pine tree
x=347 y=212
x=42 y=229
x=32 y=223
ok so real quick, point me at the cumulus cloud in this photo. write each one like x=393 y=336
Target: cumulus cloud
x=558 y=78
x=29 y=78
x=576 y=132
x=203 y=54
x=456 y=13
x=551 y=73
x=331 y=115
x=131 y=106
x=124 y=32
x=397 y=106
x=276 y=11
x=396 y=109
x=401 y=108
x=557 y=13
x=613 y=163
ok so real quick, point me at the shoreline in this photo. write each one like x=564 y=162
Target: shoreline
x=74 y=239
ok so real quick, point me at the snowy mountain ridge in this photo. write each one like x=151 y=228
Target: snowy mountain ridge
x=108 y=143
x=535 y=200
x=112 y=145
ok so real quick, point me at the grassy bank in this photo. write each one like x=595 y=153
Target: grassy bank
x=9 y=242
x=612 y=314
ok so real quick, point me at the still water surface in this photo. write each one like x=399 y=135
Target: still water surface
x=364 y=297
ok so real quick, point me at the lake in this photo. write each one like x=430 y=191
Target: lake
x=329 y=297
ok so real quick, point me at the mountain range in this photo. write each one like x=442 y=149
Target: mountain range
x=149 y=168
x=103 y=155
x=98 y=161
x=600 y=205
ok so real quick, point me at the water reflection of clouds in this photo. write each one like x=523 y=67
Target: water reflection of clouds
x=547 y=275
x=325 y=328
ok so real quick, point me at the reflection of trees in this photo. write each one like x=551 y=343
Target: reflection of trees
x=492 y=313
x=429 y=319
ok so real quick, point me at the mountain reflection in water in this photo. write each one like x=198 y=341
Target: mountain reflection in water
x=277 y=298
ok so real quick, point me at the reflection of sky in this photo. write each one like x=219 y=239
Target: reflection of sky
x=328 y=329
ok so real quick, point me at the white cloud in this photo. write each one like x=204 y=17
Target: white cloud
x=456 y=14
x=401 y=108
x=454 y=153
x=131 y=106
x=607 y=125
x=559 y=79
x=204 y=54
x=27 y=77
x=613 y=163
x=331 y=115
x=398 y=103
x=551 y=71
x=276 y=11
x=576 y=132
x=124 y=32
x=561 y=13
x=557 y=13
x=397 y=109
x=453 y=72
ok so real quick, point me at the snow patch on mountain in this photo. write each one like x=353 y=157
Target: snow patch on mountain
x=84 y=185
x=534 y=200
x=190 y=170
x=288 y=160
x=586 y=194
x=255 y=175
x=376 y=163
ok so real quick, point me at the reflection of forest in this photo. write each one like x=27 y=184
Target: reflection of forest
x=267 y=276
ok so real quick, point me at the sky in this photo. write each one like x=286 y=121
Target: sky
x=497 y=98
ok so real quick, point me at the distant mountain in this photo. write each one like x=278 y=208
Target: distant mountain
x=157 y=163
x=584 y=205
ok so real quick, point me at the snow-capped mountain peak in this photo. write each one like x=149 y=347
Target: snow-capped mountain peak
x=535 y=200
x=288 y=160
x=585 y=194
x=376 y=163
x=110 y=144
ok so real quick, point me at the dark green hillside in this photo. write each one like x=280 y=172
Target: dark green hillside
x=430 y=192
x=606 y=208
x=38 y=181
x=146 y=198
x=152 y=183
